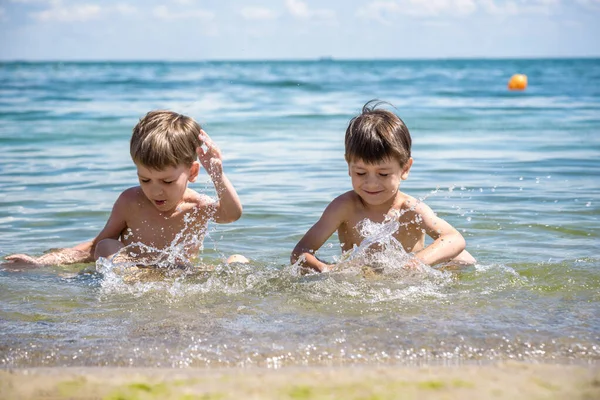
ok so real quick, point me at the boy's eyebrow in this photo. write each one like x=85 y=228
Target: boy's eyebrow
x=163 y=178
x=389 y=168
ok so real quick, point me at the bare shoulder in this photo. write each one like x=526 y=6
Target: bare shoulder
x=131 y=196
x=344 y=203
x=191 y=198
x=410 y=206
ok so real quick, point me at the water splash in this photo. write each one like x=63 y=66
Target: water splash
x=145 y=267
x=380 y=252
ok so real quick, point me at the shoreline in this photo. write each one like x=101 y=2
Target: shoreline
x=503 y=380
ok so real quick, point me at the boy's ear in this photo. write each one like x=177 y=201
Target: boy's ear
x=406 y=169
x=194 y=170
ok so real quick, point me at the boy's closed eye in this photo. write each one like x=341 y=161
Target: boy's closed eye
x=380 y=174
x=148 y=180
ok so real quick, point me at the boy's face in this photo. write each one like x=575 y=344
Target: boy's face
x=165 y=188
x=377 y=183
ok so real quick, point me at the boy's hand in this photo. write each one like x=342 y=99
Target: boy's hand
x=211 y=158
x=228 y=206
x=22 y=259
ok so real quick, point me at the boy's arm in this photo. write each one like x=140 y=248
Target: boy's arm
x=83 y=252
x=447 y=244
x=332 y=218
x=117 y=221
x=72 y=255
x=228 y=207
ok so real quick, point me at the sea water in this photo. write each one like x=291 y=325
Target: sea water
x=516 y=172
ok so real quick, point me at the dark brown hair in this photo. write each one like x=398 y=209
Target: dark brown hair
x=377 y=134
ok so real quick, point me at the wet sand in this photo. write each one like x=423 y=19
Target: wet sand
x=507 y=380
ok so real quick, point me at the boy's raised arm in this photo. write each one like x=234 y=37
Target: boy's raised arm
x=229 y=206
x=317 y=235
x=448 y=242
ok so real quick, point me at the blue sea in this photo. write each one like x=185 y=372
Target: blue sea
x=518 y=173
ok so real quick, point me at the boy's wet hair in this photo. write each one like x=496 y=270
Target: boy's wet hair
x=377 y=135
x=164 y=139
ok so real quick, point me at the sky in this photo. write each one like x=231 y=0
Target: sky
x=297 y=29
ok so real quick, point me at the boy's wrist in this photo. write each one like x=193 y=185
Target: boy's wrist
x=218 y=178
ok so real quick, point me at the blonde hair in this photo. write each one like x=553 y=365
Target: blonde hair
x=165 y=139
x=376 y=135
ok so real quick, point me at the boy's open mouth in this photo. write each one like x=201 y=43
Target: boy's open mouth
x=160 y=202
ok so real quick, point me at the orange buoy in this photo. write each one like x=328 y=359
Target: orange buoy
x=517 y=82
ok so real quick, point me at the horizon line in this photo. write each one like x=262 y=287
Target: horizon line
x=323 y=59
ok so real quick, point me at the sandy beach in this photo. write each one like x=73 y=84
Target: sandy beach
x=507 y=380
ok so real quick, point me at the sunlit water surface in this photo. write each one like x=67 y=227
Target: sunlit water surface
x=516 y=173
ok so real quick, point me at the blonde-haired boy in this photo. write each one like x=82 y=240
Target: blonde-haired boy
x=165 y=147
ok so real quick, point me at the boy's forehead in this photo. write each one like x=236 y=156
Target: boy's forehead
x=383 y=163
x=167 y=171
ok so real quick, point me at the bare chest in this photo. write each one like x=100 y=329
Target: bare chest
x=409 y=234
x=162 y=231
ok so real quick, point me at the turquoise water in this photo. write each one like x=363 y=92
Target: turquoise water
x=516 y=172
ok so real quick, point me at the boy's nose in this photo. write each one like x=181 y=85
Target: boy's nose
x=371 y=180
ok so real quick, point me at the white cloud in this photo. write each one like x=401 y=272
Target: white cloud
x=163 y=12
x=299 y=9
x=184 y=2
x=125 y=9
x=378 y=9
x=59 y=12
x=516 y=7
x=35 y=1
x=258 y=13
x=77 y=13
x=385 y=10
x=437 y=7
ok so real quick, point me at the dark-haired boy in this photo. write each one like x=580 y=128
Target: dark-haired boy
x=378 y=153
